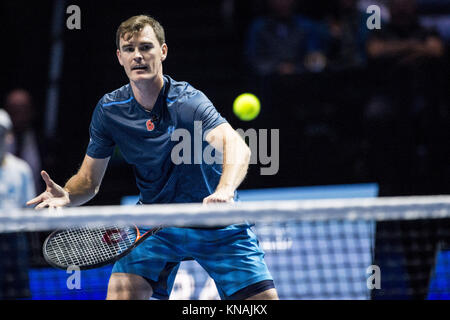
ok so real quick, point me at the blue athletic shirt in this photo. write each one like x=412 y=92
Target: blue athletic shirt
x=119 y=120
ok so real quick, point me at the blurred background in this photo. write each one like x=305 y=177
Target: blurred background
x=353 y=105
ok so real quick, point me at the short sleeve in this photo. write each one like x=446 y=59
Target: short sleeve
x=101 y=145
x=208 y=115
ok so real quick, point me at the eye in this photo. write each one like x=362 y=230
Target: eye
x=146 y=47
x=128 y=49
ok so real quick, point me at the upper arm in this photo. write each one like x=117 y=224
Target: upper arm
x=93 y=169
x=225 y=135
x=218 y=132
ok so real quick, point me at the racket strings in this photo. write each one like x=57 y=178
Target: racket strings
x=87 y=246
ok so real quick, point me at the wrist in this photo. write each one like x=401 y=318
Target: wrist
x=226 y=189
x=67 y=195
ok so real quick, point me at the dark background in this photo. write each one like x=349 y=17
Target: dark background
x=323 y=136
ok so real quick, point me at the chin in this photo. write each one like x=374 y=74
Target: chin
x=143 y=77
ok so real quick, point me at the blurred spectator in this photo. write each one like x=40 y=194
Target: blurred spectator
x=16 y=180
x=348 y=36
x=20 y=107
x=284 y=42
x=16 y=187
x=404 y=119
x=404 y=40
x=405 y=60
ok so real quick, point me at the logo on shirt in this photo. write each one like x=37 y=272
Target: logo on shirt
x=150 y=125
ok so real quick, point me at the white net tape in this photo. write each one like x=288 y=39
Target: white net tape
x=373 y=209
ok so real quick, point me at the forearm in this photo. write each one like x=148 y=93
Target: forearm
x=81 y=189
x=235 y=165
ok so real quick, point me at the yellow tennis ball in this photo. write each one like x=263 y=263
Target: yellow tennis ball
x=246 y=106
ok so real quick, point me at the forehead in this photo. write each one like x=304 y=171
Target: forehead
x=147 y=34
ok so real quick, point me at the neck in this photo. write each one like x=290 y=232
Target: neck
x=146 y=92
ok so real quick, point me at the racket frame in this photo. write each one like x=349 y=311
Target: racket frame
x=139 y=239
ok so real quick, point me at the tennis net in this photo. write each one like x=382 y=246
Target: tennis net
x=366 y=248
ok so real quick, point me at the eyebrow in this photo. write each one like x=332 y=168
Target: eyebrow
x=130 y=44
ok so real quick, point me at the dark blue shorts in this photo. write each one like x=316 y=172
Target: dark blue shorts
x=231 y=256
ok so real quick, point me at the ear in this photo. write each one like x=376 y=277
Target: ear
x=164 y=50
x=119 y=57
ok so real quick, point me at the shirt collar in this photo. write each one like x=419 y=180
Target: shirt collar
x=159 y=101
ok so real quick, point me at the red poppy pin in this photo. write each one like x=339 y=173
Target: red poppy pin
x=150 y=125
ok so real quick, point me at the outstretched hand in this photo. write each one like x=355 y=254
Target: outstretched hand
x=53 y=196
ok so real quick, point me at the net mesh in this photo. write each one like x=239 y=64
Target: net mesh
x=382 y=248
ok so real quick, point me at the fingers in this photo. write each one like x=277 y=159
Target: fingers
x=49 y=203
x=212 y=199
x=208 y=200
x=217 y=199
x=43 y=201
x=49 y=182
x=42 y=205
x=36 y=200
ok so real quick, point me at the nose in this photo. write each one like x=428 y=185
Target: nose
x=137 y=55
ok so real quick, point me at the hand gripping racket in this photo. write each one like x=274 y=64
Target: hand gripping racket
x=89 y=248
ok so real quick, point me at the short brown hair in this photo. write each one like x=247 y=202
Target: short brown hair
x=135 y=24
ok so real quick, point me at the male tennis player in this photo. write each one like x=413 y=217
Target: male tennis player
x=139 y=118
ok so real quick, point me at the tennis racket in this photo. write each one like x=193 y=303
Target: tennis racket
x=89 y=248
